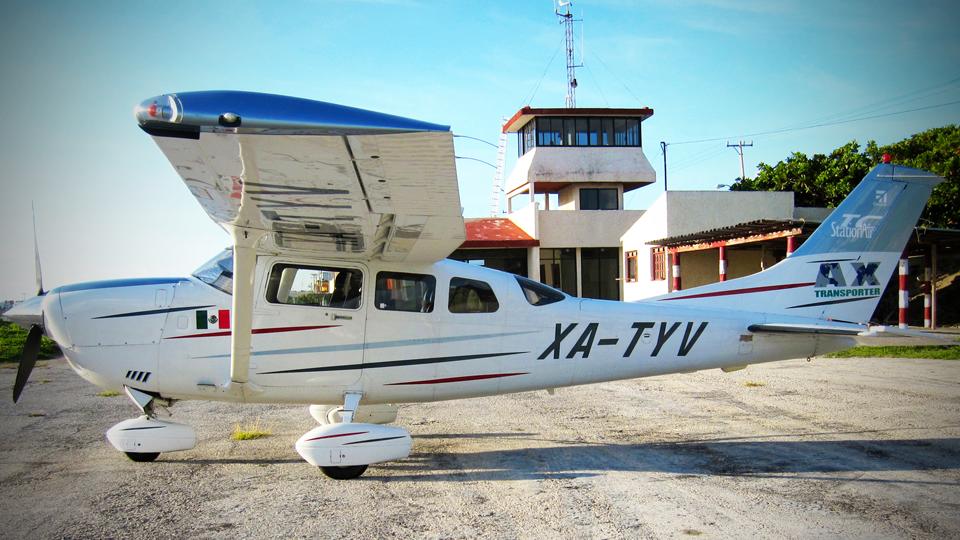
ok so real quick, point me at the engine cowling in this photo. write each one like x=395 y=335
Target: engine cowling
x=342 y=445
x=149 y=435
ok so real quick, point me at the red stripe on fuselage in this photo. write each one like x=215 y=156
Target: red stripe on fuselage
x=337 y=435
x=459 y=379
x=258 y=331
x=741 y=291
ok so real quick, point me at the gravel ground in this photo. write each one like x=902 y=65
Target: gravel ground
x=855 y=448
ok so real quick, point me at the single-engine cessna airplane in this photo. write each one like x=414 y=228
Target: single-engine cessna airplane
x=336 y=291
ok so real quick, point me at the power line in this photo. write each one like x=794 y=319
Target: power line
x=597 y=85
x=822 y=124
x=475 y=159
x=627 y=88
x=544 y=74
x=902 y=99
x=474 y=139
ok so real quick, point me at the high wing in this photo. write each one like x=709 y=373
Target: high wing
x=316 y=177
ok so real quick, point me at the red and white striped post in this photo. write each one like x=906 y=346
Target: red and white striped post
x=723 y=263
x=791 y=245
x=927 y=290
x=676 y=269
x=904 y=293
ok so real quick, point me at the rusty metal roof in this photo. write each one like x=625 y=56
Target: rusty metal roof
x=496 y=232
x=741 y=230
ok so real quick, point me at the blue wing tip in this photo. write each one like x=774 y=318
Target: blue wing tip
x=260 y=110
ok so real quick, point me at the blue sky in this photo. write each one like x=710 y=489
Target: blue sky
x=109 y=204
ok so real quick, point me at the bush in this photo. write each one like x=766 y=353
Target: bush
x=12 y=338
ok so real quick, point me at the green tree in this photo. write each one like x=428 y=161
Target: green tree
x=824 y=180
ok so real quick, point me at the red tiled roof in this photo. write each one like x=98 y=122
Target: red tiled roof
x=496 y=232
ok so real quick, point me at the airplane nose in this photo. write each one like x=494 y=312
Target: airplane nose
x=26 y=313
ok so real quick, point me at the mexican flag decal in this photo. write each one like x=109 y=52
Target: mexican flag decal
x=221 y=318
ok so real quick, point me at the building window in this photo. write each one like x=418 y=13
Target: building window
x=396 y=291
x=580 y=131
x=599 y=199
x=630 y=265
x=558 y=269
x=471 y=296
x=527 y=137
x=658 y=264
x=600 y=269
x=315 y=286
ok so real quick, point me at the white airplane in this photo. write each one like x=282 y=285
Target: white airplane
x=336 y=292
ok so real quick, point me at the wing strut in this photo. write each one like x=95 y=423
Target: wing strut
x=244 y=266
x=246 y=230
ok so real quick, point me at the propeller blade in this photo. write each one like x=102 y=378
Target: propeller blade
x=36 y=254
x=31 y=348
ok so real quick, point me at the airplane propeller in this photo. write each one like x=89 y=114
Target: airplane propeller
x=31 y=349
x=36 y=254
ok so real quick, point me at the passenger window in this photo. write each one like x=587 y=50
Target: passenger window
x=537 y=293
x=471 y=296
x=397 y=291
x=315 y=286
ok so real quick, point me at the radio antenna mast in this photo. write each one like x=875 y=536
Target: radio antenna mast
x=567 y=20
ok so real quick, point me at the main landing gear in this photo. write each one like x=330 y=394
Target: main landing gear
x=143 y=439
x=344 y=450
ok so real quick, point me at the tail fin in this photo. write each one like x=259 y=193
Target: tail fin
x=840 y=272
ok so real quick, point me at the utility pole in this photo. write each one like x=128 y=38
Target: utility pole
x=567 y=20
x=739 y=146
x=663 y=149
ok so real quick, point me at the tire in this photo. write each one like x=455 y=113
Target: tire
x=143 y=457
x=344 y=473
x=333 y=417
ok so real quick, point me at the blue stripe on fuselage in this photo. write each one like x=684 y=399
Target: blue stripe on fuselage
x=116 y=283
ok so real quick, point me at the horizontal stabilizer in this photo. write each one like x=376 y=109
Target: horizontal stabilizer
x=893 y=331
x=792 y=328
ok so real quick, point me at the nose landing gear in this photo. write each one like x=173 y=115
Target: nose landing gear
x=143 y=439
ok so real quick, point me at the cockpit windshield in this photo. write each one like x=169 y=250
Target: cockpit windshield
x=218 y=271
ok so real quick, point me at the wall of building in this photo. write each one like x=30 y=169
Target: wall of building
x=581 y=164
x=588 y=228
x=703 y=267
x=750 y=260
x=651 y=225
x=526 y=219
x=677 y=213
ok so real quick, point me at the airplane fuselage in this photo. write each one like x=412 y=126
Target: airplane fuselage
x=171 y=336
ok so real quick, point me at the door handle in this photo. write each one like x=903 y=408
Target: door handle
x=337 y=317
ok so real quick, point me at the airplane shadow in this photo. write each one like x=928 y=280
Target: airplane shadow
x=229 y=461
x=718 y=457
x=504 y=435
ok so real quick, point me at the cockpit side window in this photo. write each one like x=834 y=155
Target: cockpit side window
x=218 y=271
x=537 y=293
x=471 y=296
x=320 y=286
x=397 y=291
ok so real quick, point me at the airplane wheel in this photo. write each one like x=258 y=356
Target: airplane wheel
x=143 y=457
x=344 y=473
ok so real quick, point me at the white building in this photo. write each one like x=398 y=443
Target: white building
x=565 y=212
x=566 y=225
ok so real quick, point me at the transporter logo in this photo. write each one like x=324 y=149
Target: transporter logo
x=855 y=226
x=832 y=283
